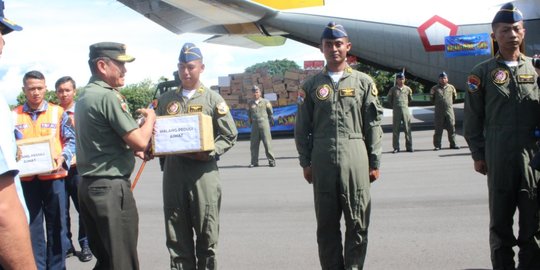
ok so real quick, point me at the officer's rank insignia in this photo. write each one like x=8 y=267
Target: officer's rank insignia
x=173 y=107
x=347 y=92
x=525 y=78
x=301 y=96
x=500 y=76
x=123 y=103
x=374 y=90
x=195 y=108
x=473 y=83
x=323 y=92
x=222 y=108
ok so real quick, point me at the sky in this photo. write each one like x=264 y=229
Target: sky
x=57 y=33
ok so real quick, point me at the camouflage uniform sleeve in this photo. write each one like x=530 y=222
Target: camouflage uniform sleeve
x=304 y=126
x=372 y=117
x=474 y=116
x=224 y=126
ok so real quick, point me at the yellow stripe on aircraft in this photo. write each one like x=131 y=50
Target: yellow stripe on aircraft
x=290 y=4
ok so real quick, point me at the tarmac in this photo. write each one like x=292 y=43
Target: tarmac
x=429 y=209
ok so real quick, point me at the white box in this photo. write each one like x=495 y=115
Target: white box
x=36 y=156
x=186 y=133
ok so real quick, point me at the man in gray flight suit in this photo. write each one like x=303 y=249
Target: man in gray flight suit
x=338 y=138
x=443 y=96
x=191 y=186
x=260 y=115
x=501 y=113
x=399 y=97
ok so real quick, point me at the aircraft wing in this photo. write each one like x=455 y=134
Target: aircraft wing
x=232 y=22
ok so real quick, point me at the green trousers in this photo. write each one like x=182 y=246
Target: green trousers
x=401 y=116
x=261 y=132
x=444 y=121
x=109 y=213
x=513 y=185
x=191 y=201
x=341 y=188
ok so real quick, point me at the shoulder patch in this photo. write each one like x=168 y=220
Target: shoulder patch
x=222 y=108
x=301 y=96
x=473 y=83
x=374 y=90
x=123 y=102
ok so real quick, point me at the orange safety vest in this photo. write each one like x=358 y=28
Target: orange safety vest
x=47 y=123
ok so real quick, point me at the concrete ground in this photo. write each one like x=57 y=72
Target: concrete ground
x=429 y=210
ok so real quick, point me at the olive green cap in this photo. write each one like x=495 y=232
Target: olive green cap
x=112 y=50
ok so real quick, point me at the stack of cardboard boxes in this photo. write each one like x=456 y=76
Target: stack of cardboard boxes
x=280 y=90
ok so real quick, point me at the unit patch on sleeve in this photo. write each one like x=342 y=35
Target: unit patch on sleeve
x=473 y=83
x=222 y=108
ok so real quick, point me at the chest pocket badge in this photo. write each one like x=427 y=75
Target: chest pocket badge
x=323 y=92
x=525 y=78
x=348 y=92
x=195 y=108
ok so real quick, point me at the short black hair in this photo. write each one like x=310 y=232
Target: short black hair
x=63 y=80
x=34 y=74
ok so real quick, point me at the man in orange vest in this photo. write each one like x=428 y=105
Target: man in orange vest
x=66 y=90
x=45 y=194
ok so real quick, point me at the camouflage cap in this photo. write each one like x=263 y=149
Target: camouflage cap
x=443 y=74
x=8 y=25
x=112 y=50
x=508 y=14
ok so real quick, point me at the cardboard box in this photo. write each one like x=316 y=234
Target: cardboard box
x=186 y=133
x=36 y=156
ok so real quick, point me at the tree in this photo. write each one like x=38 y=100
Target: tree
x=273 y=67
x=139 y=95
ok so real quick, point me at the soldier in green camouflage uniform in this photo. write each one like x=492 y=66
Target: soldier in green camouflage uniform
x=443 y=96
x=260 y=115
x=338 y=138
x=501 y=114
x=191 y=186
x=399 y=97
x=107 y=136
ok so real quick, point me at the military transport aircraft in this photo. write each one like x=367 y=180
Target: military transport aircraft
x=419 y=37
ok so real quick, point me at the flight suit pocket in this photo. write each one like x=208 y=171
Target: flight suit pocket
x=98 y=190
x=211 y=223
